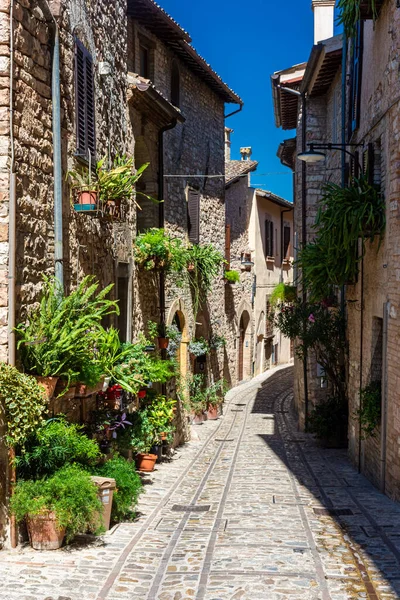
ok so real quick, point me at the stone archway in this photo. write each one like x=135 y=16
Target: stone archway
x=177 y=316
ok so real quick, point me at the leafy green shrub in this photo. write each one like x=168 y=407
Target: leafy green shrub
x=23 y=401
x=217 y=341
x=60 y=336
x=283 y=294
x=155 y=249
x=129 y=486
x=55 y=444
x=329 y=419
x=370 y=411
x=69 y=493
x=232 y=276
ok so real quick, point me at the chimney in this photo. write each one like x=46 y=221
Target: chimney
x=324 y=19
x=228 y=143
x=246 y=153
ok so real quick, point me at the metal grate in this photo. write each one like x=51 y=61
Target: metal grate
x=224 y=440
x=191 y=508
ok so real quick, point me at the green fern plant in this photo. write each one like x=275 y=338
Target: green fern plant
x=350 y=13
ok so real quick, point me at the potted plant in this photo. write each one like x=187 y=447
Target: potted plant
x=215 y=399
x=117 y=184
x=232 y=276
x=142 y=440
x=160 y=332
x=62 y=505
x=155 y=250
x=206 y=262
x=199 y=347
x=86 y=186
x=352 y=11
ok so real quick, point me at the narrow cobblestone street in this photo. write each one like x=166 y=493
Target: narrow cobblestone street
x=252 y=510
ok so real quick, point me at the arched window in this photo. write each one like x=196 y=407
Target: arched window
x=175 y=84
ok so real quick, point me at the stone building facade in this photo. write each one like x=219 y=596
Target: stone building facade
x=370 y=123
x=172 y=115
x=260 y=247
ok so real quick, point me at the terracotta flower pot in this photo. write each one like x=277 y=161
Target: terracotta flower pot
x=88 y=197
x=44 y=533
x=212 y=412
x=63 y=392
x=163 y=343
x=146 y=462
x=198 y=418
x=48 y=383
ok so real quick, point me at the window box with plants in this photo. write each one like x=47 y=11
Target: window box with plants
x=232 y=277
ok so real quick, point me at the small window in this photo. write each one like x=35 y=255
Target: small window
x=194 y=216
x=85 y=106
x=144 y=57
x=175 y=84
x=286 y=242
x=269 y=238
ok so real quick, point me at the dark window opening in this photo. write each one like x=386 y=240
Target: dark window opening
x=228 y=247
x=194 y=216
x=286 y=243
x=269 y=238
x=123 y=301
x=85 y=105
x=175 y=85
x=144 y=58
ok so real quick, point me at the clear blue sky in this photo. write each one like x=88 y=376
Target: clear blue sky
x=245 y=41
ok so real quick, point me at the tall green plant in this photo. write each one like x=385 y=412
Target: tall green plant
x=59 y=337
x=207 y=262
x=345 y=215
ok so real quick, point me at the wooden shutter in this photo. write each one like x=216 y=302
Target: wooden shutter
x=269 y=238
x=194 y=216
x=356 y=78
x=228 y=246
x=368 y=163
x=85 y=105
x=286 y=242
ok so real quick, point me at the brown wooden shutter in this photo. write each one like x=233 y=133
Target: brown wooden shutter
x=194 y=216
x=269 y=238
x=228 y=246
x=286 y=242
x=85 y=105
x=356 y=78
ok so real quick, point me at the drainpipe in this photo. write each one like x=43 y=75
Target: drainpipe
x=235 y=112
x=344 y=140
x=161 y=216
x=12 y=231
x=361 y=363
x=386 y=308
x=57 y=168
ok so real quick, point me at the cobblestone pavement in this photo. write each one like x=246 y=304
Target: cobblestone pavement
x=252 y=510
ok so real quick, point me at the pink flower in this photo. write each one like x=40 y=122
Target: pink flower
x=311 y=318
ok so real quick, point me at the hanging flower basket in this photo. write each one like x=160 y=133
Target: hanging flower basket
x=163 y=343
x=87 y=201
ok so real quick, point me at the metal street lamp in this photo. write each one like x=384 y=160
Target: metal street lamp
x=313 y=155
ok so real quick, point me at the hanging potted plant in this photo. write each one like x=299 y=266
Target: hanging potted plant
x=232 y=277
x=159 y=331
x=86 y=187
x=199 y=347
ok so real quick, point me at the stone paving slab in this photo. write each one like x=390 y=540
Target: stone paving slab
x=260 y=534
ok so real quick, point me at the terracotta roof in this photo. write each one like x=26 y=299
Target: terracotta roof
x=323 y=64
x=287 y=153
x=150 y=101
x=235 y=169
x=274 y=198
x=156 y=20
x=285 y=103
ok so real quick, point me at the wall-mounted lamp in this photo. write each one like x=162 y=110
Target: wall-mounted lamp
x=314 y=154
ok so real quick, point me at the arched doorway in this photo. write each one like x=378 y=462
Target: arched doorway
x=244 y=370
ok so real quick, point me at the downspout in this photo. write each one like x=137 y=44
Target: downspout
x=386 y=308
x=161 y=214
x=12 y=232
x=57 y=167
x=344 y=140
x=361 y=363
x=235 y=112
